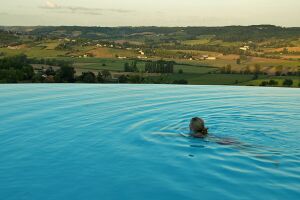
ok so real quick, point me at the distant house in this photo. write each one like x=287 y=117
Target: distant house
x=13 y=47
x=122 y=57
x=245 y=48
x=141 y=52
x=87 y=55
x=142 y=57
x=211 y=58
x=207 y=57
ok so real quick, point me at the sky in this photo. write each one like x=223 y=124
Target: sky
x=149 y=12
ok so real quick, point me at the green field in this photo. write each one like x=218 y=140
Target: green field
x=196 y=42
x=210 y=79
x=118 y=65
x=101 y=64
x=34 y=52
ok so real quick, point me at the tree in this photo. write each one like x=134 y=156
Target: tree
x=126 y=67
x=27 y=72
x=255 y=76
x=257 y=69
x=134 y=66
x=279 y=70
x=87 y=77
x=123 y=79
x=238 y=61
x=288 y=82
x=131 y=68
x=273 y=83
x=106 y=74
x=38 y=78
x=136 y=79
x=228 y=69
x=180 y=82
x=65 y=74
x=180 y=71
x=264 y=83
x=100 y=78
x=15 y=69
x=50 y=71
x=160 y=66
x=10 y=76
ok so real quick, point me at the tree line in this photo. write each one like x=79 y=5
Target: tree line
x=18 y=69
x=227 y=33
x=160 y=66
x=132 y=67
x=285 y=83
x=15 y=69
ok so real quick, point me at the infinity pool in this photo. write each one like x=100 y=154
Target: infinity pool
x=91 y=142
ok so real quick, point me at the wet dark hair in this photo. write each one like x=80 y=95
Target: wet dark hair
x=200 y=126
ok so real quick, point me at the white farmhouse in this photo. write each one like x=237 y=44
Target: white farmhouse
x=142 y=57
x=211 y=58
x=122 y=57
x=245 y=48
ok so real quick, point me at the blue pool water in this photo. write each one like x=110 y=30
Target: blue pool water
x=91 y=142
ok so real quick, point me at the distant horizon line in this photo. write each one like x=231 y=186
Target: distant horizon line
x=131 y=26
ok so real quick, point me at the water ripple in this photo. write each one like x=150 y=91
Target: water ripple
x=131 y=141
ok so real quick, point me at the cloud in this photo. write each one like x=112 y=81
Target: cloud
x=50 y=5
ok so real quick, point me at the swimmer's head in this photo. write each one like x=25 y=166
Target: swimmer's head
x=197 y=125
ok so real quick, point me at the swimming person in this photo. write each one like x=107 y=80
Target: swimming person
x=197 y=128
